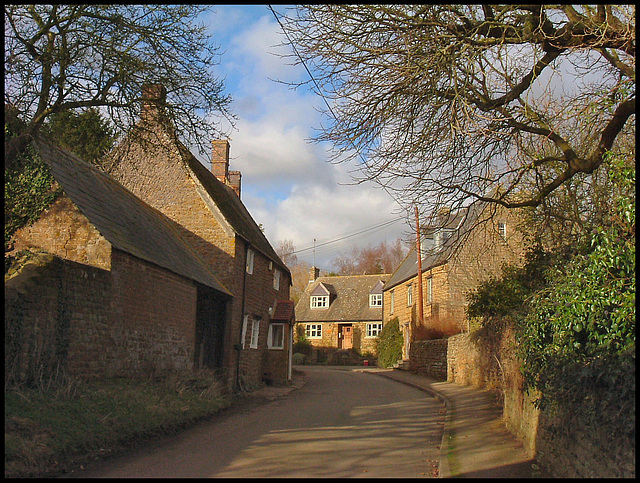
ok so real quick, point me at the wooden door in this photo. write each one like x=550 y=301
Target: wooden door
x=346 y=337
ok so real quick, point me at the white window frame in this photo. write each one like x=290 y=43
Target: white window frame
x=255 y=334
x=375 y=300
x=276 y=279
x=245 y=323
x=430 y=290
x=502 y=229
x=319 y=301
x=373 y=329
x=250 y=259
x=272 y=333
x=409 y=295
x=313 y=331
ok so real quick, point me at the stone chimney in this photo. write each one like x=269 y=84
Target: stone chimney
x=314 y=273
x=220 y=165
x=154 y=97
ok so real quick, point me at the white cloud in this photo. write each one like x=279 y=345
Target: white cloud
x=287 y=183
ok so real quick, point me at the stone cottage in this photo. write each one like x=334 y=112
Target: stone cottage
x=207 y=209
x=466 y=247
x=342 y=312
x=116 y=290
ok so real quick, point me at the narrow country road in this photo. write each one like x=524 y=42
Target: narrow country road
x=342 y=423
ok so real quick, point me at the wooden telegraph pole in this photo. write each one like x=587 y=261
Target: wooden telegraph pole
x=420 y=311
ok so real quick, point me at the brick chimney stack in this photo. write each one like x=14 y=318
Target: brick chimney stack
x=154 y=96
x=220 y=166
x=314 y=273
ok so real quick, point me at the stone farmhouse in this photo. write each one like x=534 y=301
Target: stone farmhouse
x=248 y=338
x=466 y=248
x=116 y=291
x=342 y=312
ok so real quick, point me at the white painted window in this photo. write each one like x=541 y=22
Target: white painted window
x=502 y=230
x=313 y=331
x=392 y=301
x=409 y=295
x=255 y=333
x=250 y=257
x=375 y=300
x=276 y=279
x=275 y=339
x=430 y=290
x=374 y=329
x=319 y=301
x=245 y=322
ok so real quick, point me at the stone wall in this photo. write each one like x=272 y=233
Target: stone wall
x=488 y=362
x=566 y=447
x=136 y=320
x=429 y=357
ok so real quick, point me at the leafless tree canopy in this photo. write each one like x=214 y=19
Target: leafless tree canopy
x=449 y=103
x=64 y=57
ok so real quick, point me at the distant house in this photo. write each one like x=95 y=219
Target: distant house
x=455 y=258
x=342 y=312
x=119 y=293
x=207 y=209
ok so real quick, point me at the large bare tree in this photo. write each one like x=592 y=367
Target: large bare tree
x=445 y=104
x=65 y=57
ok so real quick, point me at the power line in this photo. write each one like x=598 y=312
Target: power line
x=344 y=237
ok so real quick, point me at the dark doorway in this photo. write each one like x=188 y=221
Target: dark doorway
x=211 y=314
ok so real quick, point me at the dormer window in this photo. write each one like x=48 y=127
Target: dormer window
x=375 y=296
x=320 y=296
x=319 y=301
x=440 y=238
x=375 y=300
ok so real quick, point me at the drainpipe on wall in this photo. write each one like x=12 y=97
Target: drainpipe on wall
x=238 y=346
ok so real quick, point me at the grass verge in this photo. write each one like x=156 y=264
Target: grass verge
x=53 y=430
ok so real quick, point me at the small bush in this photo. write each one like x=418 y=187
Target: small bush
x=298 y=358
x=390 y=343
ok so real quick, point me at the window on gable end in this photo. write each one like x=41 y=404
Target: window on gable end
x=250 y=259
x=255 y=334
x=502 y=230
x=245 y=323
x=276 y=279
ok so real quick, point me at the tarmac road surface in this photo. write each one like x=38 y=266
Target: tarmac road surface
x=341 y=423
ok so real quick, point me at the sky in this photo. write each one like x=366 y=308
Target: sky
x=288 y=184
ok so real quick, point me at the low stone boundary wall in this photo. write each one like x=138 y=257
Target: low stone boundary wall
x=429 y=357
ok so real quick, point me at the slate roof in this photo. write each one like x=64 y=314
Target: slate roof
x=232 y=208
x=348 y=303
x=127 y=222
x=431 y=258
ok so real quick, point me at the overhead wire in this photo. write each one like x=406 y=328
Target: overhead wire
x=319 y=91
x=344 y=237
